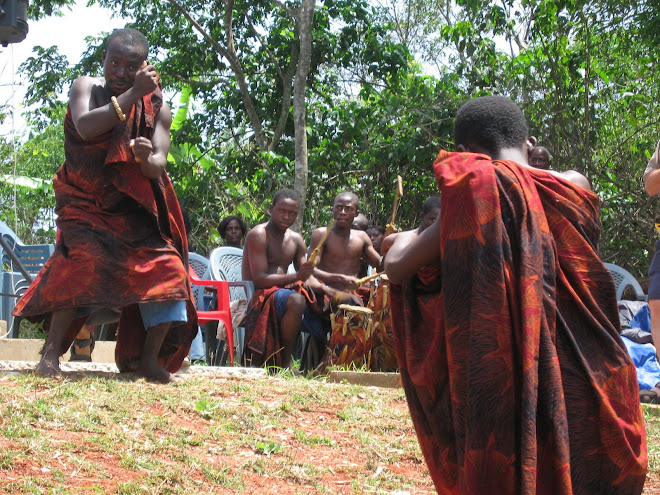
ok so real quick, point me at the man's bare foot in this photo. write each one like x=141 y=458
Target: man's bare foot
x=154 y=373
x=49 y=366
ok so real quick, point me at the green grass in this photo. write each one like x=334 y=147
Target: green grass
x=96 y=435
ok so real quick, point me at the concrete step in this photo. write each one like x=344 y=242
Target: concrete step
x=28 y=350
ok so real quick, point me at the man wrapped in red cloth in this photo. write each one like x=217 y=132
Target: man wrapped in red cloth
x=506 y=328
x=121 y=240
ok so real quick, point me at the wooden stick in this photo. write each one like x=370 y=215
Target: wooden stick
x=398 y=193
x=317 y=249
x=368 y=278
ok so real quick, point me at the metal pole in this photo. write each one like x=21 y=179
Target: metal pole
x=14 y=259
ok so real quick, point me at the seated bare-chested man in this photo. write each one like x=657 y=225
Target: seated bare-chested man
x=276 y=309
x=338 y=262
x=338 y=265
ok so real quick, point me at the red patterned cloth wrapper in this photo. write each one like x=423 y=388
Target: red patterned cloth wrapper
x=510 y=355
x=262 y=329
x=121 y=240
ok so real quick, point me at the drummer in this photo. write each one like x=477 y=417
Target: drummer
x=338 y=264
x=430 y=212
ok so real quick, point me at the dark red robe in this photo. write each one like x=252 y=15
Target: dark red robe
x=509 y=350
x=121 y=240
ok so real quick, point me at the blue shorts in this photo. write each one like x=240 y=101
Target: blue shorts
x=154 y=313
x=313 y=324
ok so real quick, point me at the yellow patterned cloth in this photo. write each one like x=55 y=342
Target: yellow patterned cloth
x=362 y=337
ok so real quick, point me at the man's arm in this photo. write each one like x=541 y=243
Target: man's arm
x=92 y=121
x=371 y=255
x=411 y=251
x=152 y=154
x=652 y=182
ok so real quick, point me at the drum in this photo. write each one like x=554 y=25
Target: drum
x=350 y=340
x=383 y=355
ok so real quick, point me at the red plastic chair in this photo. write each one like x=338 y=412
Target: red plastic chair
x=222 y=313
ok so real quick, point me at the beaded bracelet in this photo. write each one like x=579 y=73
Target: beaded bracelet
x=115 y=103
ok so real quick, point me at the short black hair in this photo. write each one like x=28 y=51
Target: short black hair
x=350 y=194
x=379 y=228
x=131 y=37
x=431 y=203
x=493 y=122
x=222 y=228
x=285 y=194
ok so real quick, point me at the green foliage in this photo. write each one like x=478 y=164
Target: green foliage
x=583 y=72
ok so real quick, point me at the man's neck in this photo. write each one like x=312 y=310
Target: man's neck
x=274 y=229
x=513 y=155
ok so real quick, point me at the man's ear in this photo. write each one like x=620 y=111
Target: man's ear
x=270 y=209
x=462 y=149
x=531 y=144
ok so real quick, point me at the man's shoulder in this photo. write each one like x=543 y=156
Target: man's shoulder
x=292 y=235
x=256 y=232
x=319 y=231
x=359 y=235
x=85 y=81
x=575 y=177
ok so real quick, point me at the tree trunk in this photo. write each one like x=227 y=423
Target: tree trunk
x=305 y=20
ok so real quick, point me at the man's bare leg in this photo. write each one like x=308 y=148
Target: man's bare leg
x=290 y=326
x=654 y=308
x=149 y=367
x=49 y=365
x=82 y=353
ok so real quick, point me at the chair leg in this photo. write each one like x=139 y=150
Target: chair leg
x=210 y=342
x=16 y=327
x=230 y=338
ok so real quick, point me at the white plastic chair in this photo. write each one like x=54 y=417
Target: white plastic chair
x=622 y=279
x=226 y=264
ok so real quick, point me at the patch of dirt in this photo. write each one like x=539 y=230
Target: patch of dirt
x=210 y=435
x=280 y=436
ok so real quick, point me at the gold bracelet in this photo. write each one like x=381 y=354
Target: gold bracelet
x=115 y=103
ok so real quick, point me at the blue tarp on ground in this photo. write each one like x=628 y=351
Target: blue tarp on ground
x=643 y=355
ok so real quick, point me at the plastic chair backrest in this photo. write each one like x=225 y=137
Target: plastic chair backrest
x=622 y=279
x=33 y=256
x=8 y=233
x=226 y=264
x=11 y=283
x=198 y=263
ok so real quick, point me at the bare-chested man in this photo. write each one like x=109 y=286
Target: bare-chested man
x=338 y=263
x=276 y=310
x=337 y=268
x=430 y=213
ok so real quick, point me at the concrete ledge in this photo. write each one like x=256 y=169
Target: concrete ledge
x=105 y=370
x=28 y=350
x=368 y=379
